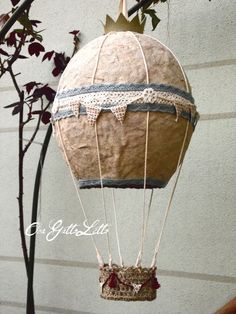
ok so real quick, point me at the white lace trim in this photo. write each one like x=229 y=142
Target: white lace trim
x=117 y=102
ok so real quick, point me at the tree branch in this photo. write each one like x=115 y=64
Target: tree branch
x=30 y=296
x=18 y=12
x=139 y=5
x=20 y=171
x=36 y=127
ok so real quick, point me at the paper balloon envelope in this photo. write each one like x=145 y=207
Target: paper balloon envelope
x=123 y=117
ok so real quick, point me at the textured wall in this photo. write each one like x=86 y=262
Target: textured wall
x=197 y=262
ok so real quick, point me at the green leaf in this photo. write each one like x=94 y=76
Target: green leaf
x=18 y=30
x=38 y=36
x=24 y=21
x=154 y=17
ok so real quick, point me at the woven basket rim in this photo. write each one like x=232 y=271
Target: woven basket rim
x=128 y=283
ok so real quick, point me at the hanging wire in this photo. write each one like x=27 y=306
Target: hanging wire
x=148 y=212
x=116 y=228
x=143 y=56
x=168 y=21
x=123 y=8
x=181 y=68
x=140 y=254
x=179 y=167
x=103 y=196
x=99 y=257
x=98 y=154
x=97 y=59
x=144 y=221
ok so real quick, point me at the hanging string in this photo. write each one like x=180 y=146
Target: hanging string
x=168 y=21
x=156 y=250
x=140 y=254
x=102 y=193
x=144 y=230
x=178 y=164
x=99 y=257
x=143 y=56
x=123 y=8
x=148 y=213
x=144 y=221
x=116 y=228
x=98 y=152
x=97 y=59
x=181 y=68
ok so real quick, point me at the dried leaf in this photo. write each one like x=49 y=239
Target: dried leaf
x=11 y=39
x=46 y=116
x=49 y=93
x=17 y=109
x=3 y=19
x=75 y=32
x=60 y=61
x=29 y=86
x=22 y=57
x=13 y=104
x=15 y=2
x=46 y=91
x=48 y=55
x=35 y=49
x=35 y=22
x=56 y=72
x=3 y=52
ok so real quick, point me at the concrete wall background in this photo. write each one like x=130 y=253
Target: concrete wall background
x=197 y=262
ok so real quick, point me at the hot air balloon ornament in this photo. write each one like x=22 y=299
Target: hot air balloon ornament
x=123 y=117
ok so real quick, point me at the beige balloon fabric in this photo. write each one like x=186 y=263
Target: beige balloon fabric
x=121 y=62
x=114 y=90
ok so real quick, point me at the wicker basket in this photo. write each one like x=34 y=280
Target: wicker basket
x=128 y=283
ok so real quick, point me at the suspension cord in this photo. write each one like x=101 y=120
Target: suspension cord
x=99 y=257
x=116 y=228
x=144 y=220
x=179 y=167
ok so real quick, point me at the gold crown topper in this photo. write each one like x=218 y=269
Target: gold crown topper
x=124 y=24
